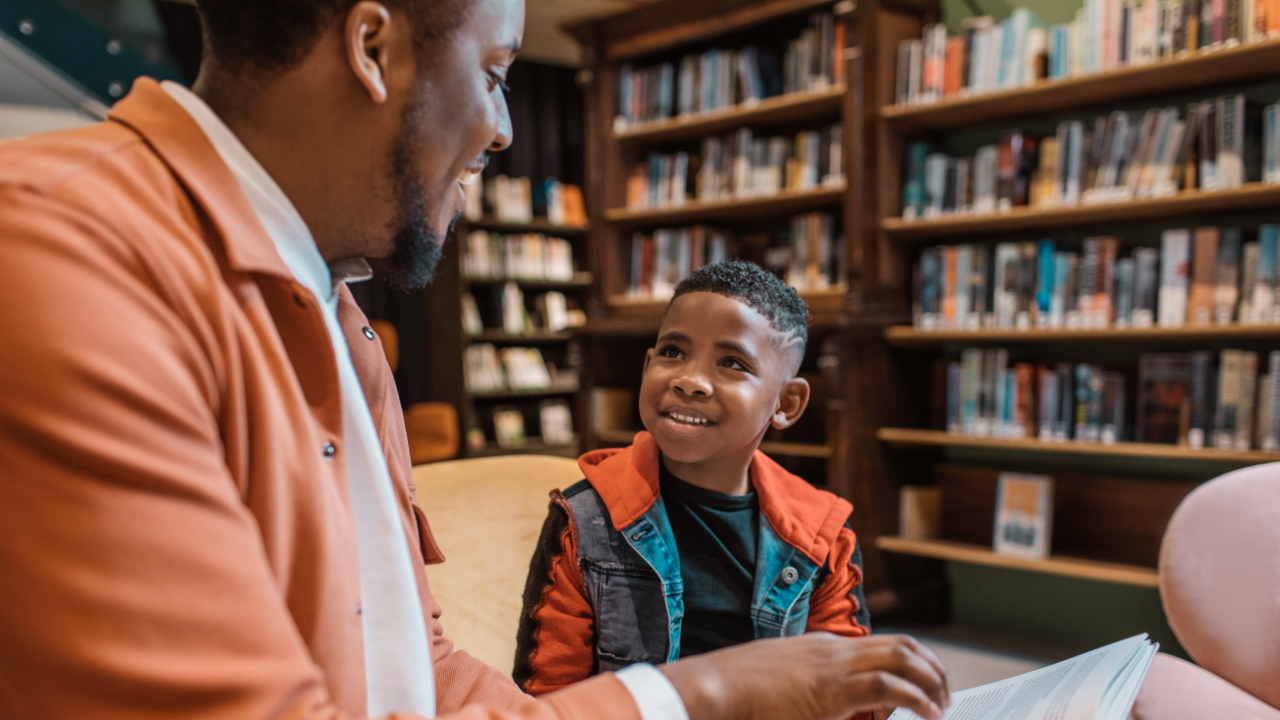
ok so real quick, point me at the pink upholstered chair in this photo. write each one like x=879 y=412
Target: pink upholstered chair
x=1220 y=585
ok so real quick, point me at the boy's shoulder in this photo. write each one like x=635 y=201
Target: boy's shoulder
x=577 y=488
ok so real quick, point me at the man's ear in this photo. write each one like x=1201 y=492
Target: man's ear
x=367 y=37
x=792 y=401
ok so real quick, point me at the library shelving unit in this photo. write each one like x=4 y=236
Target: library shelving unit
x=559 y=348
x=621 y=326
x=1112 y=500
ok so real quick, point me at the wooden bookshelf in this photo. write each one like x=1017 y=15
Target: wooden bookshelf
x=580 y=280
x=820 y=302
x=788 y=202
x=1254 y=196
x=801 y=106
x=1204 y=70
x=782 y=449
x=532 y=446
x=911 y=337
x=912 y=436
x=539 y=225
x=521 y=394
x=1054 y=565
x=498 y=337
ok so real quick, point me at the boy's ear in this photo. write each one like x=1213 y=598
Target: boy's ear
x=792 y=401
x=648 y=355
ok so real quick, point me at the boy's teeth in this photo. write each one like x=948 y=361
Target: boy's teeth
x=687 y=420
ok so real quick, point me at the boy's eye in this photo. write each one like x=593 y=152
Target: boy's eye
x=733 y=364
x=670 y=351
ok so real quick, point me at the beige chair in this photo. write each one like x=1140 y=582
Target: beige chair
x=486 y=514
x=1220 y=586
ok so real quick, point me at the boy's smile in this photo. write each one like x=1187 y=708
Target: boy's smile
x=717 y=378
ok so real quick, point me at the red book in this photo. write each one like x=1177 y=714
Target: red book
x=837 y=49
x=954 y=67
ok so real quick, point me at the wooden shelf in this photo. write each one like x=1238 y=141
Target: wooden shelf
x=979 y=555
x=501 y=338
x=580 y=280
x=539 y=225
x=907 y=336
x=782 y=449
x=1254 y=196
x=518 y=394
x=776 y=110
x=532 y=446
x=819 y=302
x=784 y=203
x=1205 y=70
x=910 y=436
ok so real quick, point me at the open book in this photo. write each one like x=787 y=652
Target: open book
x=1098 y=685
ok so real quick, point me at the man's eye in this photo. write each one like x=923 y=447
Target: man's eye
x=497 y=81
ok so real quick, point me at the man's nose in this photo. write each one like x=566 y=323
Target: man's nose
x=502 y=140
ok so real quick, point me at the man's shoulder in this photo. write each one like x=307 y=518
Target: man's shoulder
x=46 y=162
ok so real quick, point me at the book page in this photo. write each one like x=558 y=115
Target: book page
x=1080 y=688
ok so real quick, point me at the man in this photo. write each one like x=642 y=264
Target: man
x=205 y=498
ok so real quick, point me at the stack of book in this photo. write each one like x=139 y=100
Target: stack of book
x=1181 y=399
x=551 y=313
x=512 y=200
x=739 y=166
x=812 y=253
x=1216 y=144
x=1205 y=277
x=1105 y=35
x=490 y=370
x=720 y=78
x=528 y=256
x=661 y=259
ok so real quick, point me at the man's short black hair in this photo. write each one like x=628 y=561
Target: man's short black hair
x=275 y=35
x=759 y=290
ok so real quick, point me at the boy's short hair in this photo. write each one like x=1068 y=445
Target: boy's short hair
x=759 y=290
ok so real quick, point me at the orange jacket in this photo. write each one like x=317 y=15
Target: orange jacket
x=173 y=542
x=558 y=632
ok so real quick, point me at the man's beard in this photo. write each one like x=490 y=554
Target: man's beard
x=417 y=248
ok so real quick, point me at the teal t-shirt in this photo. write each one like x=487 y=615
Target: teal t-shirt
x=716 y=539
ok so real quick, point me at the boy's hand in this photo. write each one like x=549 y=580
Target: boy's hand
x=816 y=676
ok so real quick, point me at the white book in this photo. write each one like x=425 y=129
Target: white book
x=984 y=180
x=1175 y=255
x=1101 y=684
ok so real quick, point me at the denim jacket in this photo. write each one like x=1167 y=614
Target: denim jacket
x=605 y=589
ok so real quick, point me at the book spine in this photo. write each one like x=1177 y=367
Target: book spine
x=1247 y=392
x=1224 y=434
x=1175 y=246
x=1198 y=420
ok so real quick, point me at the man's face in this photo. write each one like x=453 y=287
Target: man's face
x=458 y=113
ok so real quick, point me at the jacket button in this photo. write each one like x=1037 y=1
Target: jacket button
x=328 y=450
x=368 y=332
x=790 y=575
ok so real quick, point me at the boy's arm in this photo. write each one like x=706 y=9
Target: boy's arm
x=837 y=605
x=555 y=645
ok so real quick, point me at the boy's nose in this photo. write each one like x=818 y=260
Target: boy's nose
x=692 y=384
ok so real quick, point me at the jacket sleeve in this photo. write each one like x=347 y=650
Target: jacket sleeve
x=555 y=645
x=120 y=522
x=837 y=605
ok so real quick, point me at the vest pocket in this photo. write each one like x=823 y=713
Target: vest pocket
x=631 y=615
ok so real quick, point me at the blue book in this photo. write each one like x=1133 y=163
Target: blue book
x=1004 y=76
x=1264 y=289
x=1044 y=280
x=913 y=188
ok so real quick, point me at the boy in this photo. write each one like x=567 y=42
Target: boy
x=691 y=539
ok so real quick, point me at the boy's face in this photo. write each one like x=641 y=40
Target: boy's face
x=717 y=377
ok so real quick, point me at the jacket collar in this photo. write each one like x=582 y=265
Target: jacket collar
x=805 y=517
x=174 y=136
